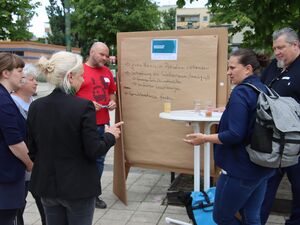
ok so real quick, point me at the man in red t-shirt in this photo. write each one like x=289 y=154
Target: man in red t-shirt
x=99 y=87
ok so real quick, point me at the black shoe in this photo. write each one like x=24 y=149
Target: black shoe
x=100 y=204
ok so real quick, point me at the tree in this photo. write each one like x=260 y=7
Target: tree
x=102 y=19
x=56 y=17
x=181 y=3
x=168 y=19
x=261 y=20
x=15 y=19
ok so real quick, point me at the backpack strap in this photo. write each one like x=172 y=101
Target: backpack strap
x=253 y=119
x=203 y=204
x=256 y=89
x=271 y=92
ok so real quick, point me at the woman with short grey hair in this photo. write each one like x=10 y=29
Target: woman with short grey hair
x=23 y=98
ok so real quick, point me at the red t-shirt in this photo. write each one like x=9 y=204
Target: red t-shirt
x=98 y=85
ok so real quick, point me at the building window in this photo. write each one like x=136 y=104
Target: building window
x=192 y=18
x=205 y=18
x=180 y=18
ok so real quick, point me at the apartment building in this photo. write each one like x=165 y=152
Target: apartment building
x=192 y=18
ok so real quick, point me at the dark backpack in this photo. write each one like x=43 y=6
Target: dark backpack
x=275 y=141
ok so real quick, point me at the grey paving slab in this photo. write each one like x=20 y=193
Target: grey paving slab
x=109 y=222
x=140 y=188
x=135 y=196
x=145 y=217
x=148 y=179
x=155 y=198
x=132 y=178
x=31 y=218
x=159 y=190
x=131 y=205
x=118 y=215
x=176 y=210
x=151 y=207
x=276 y=220
x=137 y=223
x=98 y=213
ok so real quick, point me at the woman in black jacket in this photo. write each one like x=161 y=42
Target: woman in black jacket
x=64 y=144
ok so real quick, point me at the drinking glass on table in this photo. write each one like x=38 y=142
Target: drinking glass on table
x=167 y=105
x=209 y=109
x=197 y=105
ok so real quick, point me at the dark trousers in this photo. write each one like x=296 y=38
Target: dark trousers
x=293 y=174
x=19 y=218
x=7 y=216
x=69 y=212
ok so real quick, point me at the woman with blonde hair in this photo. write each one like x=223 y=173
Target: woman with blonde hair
x=14 y=157
x=64 y=144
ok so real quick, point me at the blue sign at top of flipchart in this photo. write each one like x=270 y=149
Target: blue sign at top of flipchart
x=164 y=49
x=164 y=46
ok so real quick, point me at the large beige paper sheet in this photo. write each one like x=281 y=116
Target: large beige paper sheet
x=148 y=141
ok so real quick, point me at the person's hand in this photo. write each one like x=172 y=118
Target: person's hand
x=29 y=166
x=195 y=139
x=112 y=105
x=219 y=109
x=114 y=129
x=97 y=105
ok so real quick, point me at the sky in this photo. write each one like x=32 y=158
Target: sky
x=38 y=21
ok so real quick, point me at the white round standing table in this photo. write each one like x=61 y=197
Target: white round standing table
x=195 y=118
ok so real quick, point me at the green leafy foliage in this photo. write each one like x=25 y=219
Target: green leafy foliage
x=168 y=19
x=101 y=19
x=55 y=12
x=181 y=3
x=15 y=19
x=260 y=17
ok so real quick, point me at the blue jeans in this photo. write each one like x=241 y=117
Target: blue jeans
x=238 y=195
x=293 y=174
x=69 y=212
x=100 y=160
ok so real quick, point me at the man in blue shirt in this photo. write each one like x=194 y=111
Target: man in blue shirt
x=283 y=75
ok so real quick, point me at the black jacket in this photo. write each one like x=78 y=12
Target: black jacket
x=285 y=83
x=64 y=144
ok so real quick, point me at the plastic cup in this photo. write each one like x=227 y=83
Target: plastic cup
x=209 y=109
x=167 y=106
x=197 y=106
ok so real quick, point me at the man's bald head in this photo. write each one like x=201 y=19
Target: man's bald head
x=97 y=45
x=99 y=54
